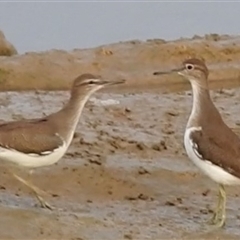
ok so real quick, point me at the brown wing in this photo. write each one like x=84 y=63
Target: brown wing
x=30 y=136
x=222 y=150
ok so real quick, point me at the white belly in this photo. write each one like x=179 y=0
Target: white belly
x=216 y=173
x=32 y=160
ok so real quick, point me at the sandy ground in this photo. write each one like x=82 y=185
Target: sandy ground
x=125 y=176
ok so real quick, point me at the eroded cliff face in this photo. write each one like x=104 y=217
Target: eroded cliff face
x=133 y=60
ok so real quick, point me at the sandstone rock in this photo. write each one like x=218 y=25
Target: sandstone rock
x=6 y=48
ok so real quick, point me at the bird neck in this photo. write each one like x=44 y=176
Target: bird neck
x=203 y=110
x=70 y=114
x=75 y=105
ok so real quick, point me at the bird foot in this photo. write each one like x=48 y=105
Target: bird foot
x=44 y=204
x=217 y=220
x=213 y=220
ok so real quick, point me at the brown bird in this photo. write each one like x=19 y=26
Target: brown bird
x=209 y=142
x=42 y=142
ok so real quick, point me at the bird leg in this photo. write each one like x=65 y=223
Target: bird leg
x=37 y=191
x=219 y=215
x=216 y=213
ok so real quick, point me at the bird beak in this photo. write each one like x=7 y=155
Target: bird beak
x=108 y=83
x=178 y=70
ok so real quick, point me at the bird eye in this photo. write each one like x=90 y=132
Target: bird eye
x=92 y=82
x=189 y=66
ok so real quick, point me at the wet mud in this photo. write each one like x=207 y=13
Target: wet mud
x=125 y=175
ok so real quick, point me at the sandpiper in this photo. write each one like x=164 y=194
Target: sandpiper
x=208 y=141
x=42 y=142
